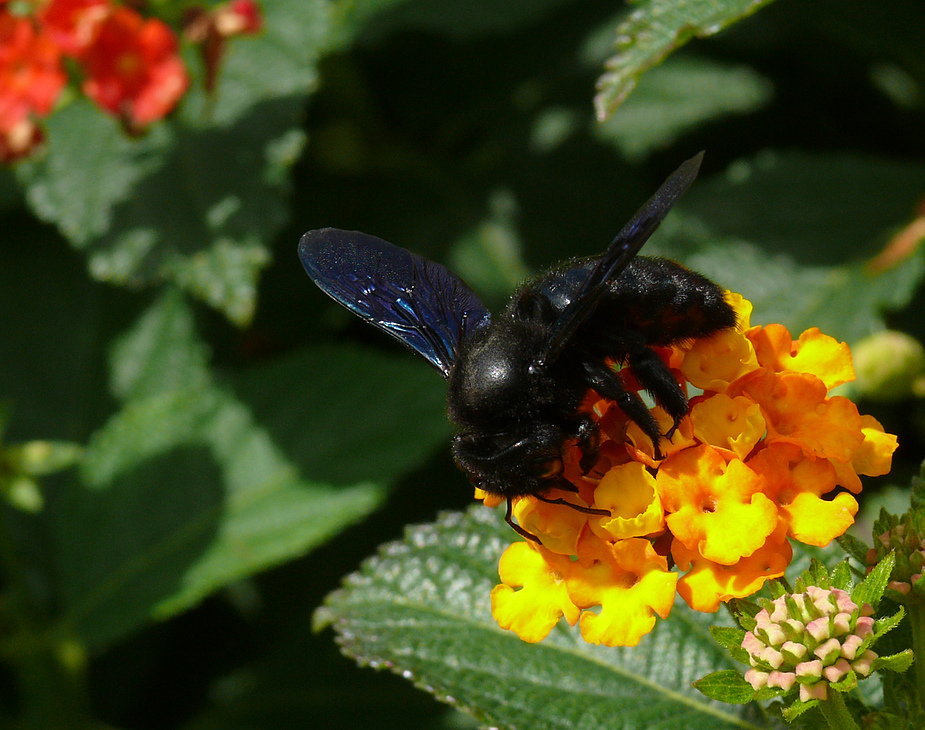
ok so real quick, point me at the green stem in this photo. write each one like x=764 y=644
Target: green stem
x=836 y=712
x=917 y=624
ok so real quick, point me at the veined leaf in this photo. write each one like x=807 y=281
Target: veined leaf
x=655 y=29
x=421 y=608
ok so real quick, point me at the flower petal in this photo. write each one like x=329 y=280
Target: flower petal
x=706 y=583
x=628 y=493
x=728 y=423
x=814 y=353
x=716 y=510
x=629 y=581
x=542 y=600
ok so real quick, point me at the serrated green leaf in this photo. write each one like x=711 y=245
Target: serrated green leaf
x=727 y=636
x=870 y=590
x=888 y=623
x=727 y=685
x=198 y=200
x=64 y=186
x=842 y=577
x=421 y=608
x=654 y=29
x=676 y=97
x=856 y=548
x=896 y=662
x=797 y=708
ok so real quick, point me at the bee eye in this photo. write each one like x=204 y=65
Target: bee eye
x=548 y=468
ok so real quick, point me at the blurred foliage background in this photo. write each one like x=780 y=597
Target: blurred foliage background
x=198 y=445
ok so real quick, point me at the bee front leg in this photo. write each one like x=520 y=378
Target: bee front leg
x=589 y=441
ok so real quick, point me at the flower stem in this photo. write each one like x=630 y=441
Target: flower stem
x=917 y=624
x=836 y=712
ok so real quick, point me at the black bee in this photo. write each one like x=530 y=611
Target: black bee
x=517 y=382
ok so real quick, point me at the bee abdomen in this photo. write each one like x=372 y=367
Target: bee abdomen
x=665 y=302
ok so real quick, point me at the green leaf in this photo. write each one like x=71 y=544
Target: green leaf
x=38 y=458
x=797 y=708
x=183 y=490
x=888 y=623
x=235 y=507
x=727 y=636
x=421 y=608
x=655 y=29
x=64 y=186
x=161 y=354
x=856 y=548
x=280 y=62
x=330 y=408
x=676 y=97
x=842 y=576
x=198 y=200
x=727 y=685
x=793 y=233
x=870 y=590
x=894 y=663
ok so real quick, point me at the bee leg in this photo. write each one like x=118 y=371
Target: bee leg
x=589 y=441
x=576 y=507
x=608 y=384
x=658 y=380
x=517 y=528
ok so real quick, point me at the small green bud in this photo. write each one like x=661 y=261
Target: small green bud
x=887 y=365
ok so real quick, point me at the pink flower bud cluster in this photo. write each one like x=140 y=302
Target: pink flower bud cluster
x=812 y=639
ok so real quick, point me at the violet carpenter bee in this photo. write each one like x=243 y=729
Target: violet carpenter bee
x=516 y=382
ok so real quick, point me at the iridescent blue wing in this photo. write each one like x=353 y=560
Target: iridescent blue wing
x=615 y=259
x=421 y=303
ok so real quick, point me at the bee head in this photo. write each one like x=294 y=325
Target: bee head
x=514 y=463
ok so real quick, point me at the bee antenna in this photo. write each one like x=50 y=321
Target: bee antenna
x=576 y=507
x=517 y=528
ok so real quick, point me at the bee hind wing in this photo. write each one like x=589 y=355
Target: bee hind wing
x=619 y=253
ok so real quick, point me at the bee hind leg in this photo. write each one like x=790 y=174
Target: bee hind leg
x=658 y=380
x=608 y=384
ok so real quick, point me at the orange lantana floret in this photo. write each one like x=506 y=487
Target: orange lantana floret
x=715 y=509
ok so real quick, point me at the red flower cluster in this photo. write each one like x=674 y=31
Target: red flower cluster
x=129 y=64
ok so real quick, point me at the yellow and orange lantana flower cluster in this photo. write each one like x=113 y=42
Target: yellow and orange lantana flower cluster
x=752 y=467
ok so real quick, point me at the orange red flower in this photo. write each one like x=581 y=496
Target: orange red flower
x=754 y=466
x=133 y=68
x=129 y=65
x=31 y=79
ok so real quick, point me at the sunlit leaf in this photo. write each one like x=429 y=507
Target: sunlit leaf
x=421 y=608
x=653 y=30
